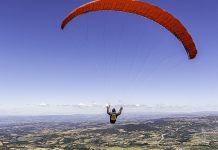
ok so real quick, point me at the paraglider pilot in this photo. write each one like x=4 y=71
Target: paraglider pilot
x=113 y=115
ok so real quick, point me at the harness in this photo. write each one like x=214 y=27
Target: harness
x=113 y=117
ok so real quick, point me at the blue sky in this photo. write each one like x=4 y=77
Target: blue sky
x=105 y=57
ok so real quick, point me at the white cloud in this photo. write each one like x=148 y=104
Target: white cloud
x=90 y=108
x=81 y=104
x=43 y=104
x=137 y=105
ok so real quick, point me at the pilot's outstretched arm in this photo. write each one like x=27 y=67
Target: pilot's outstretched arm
x=120 y=111
x=108 y=112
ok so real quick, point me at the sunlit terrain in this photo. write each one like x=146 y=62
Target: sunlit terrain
x=172 y=132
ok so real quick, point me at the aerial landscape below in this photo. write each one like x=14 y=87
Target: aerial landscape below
x=195 y=132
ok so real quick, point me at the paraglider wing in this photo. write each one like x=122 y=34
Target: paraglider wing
x=144 y=9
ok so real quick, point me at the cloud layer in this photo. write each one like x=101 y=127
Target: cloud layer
x=94 y=108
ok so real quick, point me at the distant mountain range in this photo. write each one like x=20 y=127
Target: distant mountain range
x=101 y=118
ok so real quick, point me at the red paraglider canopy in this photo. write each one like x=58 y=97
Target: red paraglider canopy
x=143 y=9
